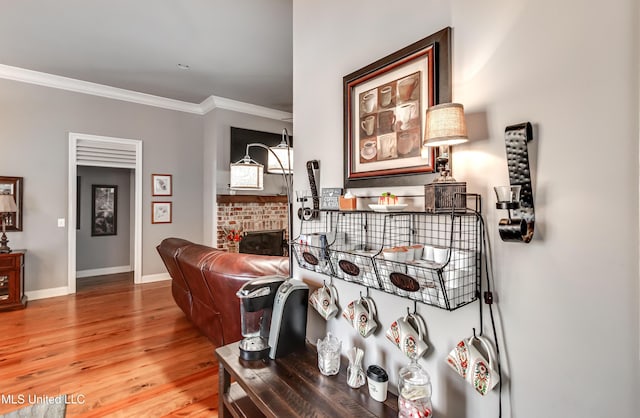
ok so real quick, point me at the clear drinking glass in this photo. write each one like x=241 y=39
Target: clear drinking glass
x=329 y=355
x=507 y=193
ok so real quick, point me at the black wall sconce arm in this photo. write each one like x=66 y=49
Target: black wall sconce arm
x=519 y=225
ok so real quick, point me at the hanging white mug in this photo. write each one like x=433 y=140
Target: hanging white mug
x=472 y=365
x=361 y=314
x=408 y=334
x=323 y=300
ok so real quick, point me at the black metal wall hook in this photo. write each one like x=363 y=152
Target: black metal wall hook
x=519 y=227
x=415 y=308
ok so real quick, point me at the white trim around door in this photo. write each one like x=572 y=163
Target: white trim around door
x=103 y=151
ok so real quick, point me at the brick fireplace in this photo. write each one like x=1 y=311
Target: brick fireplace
x=252 y=212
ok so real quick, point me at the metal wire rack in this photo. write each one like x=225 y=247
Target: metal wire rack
x=430 y=258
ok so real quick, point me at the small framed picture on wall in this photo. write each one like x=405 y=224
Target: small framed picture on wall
x=161 y=184
x=161 y=212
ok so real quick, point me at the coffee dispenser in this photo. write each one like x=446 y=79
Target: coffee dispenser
x=256 y=304
x=289 y=318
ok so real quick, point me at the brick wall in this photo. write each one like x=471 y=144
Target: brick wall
x=258 y=216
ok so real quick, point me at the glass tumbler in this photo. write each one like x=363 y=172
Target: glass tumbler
x=329 y=355
x=507 y=193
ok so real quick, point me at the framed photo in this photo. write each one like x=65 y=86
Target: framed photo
x=384 y=111
x=13 y=186
x=161 y=184
x=161 y=212
x=104 y=210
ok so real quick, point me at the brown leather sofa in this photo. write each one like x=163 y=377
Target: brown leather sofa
x=205 y=281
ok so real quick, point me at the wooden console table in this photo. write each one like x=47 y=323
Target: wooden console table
x=291 y=387
x=12 y=281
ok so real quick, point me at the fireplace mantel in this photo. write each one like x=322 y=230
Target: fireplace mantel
x=250 y=198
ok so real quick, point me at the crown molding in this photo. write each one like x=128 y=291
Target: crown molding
x=94 y=89
x=215 y=102
x=70 y=84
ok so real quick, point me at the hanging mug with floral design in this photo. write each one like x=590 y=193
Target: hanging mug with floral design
x=473 y=366
x=408 y=334
x=361 y=314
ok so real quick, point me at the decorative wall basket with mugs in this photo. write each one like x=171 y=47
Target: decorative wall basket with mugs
x=385 y=104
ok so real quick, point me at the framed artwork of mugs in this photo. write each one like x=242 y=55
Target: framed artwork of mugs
x=384 y=111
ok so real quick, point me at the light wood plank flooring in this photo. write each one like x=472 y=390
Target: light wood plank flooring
x=124 y=350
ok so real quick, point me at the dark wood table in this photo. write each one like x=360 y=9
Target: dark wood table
x=291 y=387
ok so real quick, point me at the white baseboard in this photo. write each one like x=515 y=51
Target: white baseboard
x=47 y=293
x=101 y=272
x=150 y=278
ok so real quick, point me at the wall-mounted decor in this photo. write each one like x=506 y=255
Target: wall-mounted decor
x=104 y=210
x=13 y=186
x=384 y=113
x=161 y=212
x=161 y=184
x=517 y=198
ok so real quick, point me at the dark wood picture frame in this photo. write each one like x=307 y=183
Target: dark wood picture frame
x=13 y=186
x=104 y=210
x=161 y=185
x=161 y=212
x=374 y=97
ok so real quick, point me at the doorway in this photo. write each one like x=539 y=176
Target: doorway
x=101 y=151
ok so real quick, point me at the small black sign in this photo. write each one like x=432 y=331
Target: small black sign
x=349 y=268
x=310 y=258
x=404 y=282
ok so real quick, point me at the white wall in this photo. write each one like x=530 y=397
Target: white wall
x=567 y=303
x=217 y=146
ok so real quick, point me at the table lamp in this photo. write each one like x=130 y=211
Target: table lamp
x=445 y=126
x=7 y=206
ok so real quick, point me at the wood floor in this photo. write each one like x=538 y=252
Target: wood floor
x=115 y=348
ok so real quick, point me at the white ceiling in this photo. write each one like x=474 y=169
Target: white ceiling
x=237 y=49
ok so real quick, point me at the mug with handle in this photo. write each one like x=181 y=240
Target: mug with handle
x=408 y=333
x=471 y=364
x=361 y=314
x=323 y=300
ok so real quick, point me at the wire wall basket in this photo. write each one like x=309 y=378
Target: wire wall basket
x=426 y=257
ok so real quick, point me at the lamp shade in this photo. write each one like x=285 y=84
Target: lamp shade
x=445 y=125
x=7 y=203
x=285 y=154
x=247 y=174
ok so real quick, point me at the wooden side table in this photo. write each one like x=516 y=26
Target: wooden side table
x=12 y=281
x=291 y=387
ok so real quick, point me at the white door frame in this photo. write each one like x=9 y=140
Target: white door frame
x=73 y=193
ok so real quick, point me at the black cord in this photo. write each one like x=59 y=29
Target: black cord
x=493 y=321
x=485 y=245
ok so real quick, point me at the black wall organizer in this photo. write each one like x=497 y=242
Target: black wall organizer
x=348 y=245
x=519 y=226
